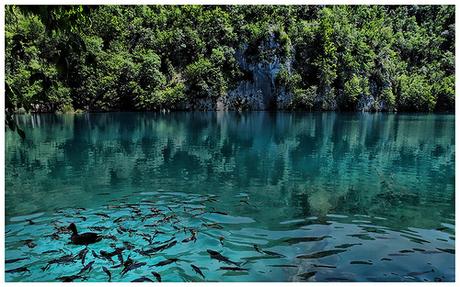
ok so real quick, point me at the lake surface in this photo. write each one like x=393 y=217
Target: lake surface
x=323 y=196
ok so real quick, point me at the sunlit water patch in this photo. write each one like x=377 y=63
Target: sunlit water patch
x=232 y=197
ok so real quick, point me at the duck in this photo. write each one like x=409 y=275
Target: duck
x=84 y=238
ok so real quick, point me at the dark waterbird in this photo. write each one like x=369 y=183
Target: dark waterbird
x=18 y=270
x=107 y=271
x=84 y=238
x=216 y=255
x=197 y=270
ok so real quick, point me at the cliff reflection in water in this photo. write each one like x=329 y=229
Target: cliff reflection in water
x=400 y=167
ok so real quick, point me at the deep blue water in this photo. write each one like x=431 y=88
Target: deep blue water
x=335 y=196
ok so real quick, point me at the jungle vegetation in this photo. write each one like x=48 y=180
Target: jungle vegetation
x=125 y=58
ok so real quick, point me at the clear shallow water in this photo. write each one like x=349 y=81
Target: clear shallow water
x=339 y=197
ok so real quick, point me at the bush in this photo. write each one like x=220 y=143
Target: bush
x=415 y=94
x=304 y=99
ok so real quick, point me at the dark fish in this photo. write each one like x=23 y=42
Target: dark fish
x=216 y=255
x=219 y=212
x=419 y=273
x=307 y=275
x=54 y=236
x=88 y=268
x=52 y=251
x=333 y=279
x=119 y=219
x=95 y=254
x=323 y=266
x=128 y=261
x=447 y=250
x=431 y=252
x=166 y=262
x=142 y=279
x=157 y=276
x=268 y=252
x=98 y=228
x=82 y=255
x=128 y=245
x=257 y=248
x=29 y=243
x=107 y=271
x=105 y=255
x=197 y=270
x=284 y=265
x=305 y=239
x=15 y=260
x=321 y=254
x=110 y=237
x=361 y=262
x=229 y=268
x=70 y=278
x=213 y=225
x=147 y=237
x=191 y=238
x=343 y=246
x=161 y=247
x=17 y=270
x=132 y=267
x=109 y=255
x=61 y=260
x=30 y=221
x=362 y=236
x=120 y=258
x=386 y=259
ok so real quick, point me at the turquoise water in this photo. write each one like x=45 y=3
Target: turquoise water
x=324 y=196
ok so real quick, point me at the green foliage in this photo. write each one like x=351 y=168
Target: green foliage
x=415 y=93
x=205 y=79
x=103 y=58
x=353 y=90
x=304 y=99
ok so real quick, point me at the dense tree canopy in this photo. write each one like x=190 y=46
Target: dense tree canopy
x=104 y=58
